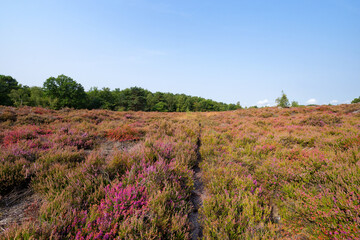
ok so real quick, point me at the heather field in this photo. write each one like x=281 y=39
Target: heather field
x=269 y=173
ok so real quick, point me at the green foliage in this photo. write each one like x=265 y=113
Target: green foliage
x=282 y=101
x=7 y=84
x=20 y=96
x=67 y=92
x=63 y=92
x=103 y=99
x=136 y=98
x=295 y=104
x=12 y=174
x=38 y=98
x=356 y=100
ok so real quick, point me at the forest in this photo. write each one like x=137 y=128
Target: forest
x=63 y=91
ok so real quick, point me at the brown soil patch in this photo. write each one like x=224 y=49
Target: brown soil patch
x=17 y=207
x=108 y=147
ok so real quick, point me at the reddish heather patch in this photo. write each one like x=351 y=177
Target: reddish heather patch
x=123 y=133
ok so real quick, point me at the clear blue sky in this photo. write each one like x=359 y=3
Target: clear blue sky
x=229 y=51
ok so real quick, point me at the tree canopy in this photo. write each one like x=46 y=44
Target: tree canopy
x=66 y=91
x=356 y=100
x=7 y=84
x=63 y=91
x=282 y=101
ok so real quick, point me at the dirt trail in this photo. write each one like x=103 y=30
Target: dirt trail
x=17 y=207
x=197 y=193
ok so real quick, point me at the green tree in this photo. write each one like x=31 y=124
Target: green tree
x=170 y=102
x=104 y=98
x=66 y=91
x=356 y=100
x=160 y=107
x=282 y=101
x=7 y=84
x=93 y=97
x=295 y=104
x=38 y=98
x=136 y=98
x=119 y=99
x=20 y=96
x=181 y=102
x=150 y=102
x=232 y=107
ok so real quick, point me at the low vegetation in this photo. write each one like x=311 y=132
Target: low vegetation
x=269 y=173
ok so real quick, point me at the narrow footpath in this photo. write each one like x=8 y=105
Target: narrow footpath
x=197 y=193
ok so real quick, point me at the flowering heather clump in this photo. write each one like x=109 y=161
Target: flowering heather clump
x=321 y=120
x=24 y=133
x=108 y=219
x=164 y=149
x=123 y=133
x=76 y=138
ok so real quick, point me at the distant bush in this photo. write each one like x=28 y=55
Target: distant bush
x=295 y=104
x=356 y=100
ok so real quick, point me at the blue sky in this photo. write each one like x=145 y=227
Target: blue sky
x=228 y=51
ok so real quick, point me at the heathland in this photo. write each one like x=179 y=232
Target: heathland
x=269 y=173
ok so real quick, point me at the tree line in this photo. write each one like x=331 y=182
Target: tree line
x=63 y=91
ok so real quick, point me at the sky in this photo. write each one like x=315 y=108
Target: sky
x=228 y=51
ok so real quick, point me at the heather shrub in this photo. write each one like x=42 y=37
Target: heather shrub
x=72 y=137
x=321 y=120
x=29 y=149
x=35 y=119
x=7 y=115
x=290 y=141
x=30 y=230
x=50 y=179
x=168 y=187
x=24 y=133
x=165 y=149
x=13 y=174
x=329 y=208
x=186 y=154
x=70 y=188
x=346 y=143
x=123 y=133
x=267 y=114
x=118 y=164
x=108 y=220
x=168 y=211
x=68 y=155
x=233 y=215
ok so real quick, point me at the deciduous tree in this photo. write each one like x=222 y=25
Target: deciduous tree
x=68 y=92
x=282 y=101
x=7 y=83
